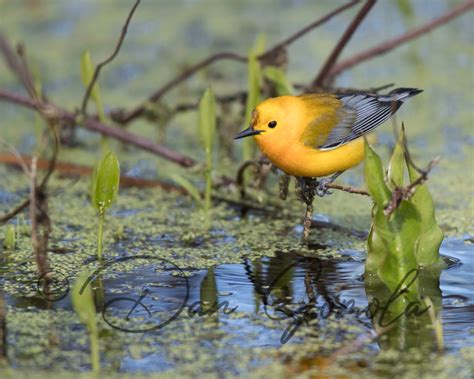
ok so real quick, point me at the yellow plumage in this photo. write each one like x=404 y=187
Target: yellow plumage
x=316 y=135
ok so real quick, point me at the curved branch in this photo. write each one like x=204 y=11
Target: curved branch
x=109 y=59
x=300 y=33
x=64 y=116
x=138 y=111
x=391 y=44
x=342 y=43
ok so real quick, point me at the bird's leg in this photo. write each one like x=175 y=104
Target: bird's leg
x=322 y=188
x=283 y=185
x=305 y=192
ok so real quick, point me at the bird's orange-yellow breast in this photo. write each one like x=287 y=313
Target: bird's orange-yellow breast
x=303 y=123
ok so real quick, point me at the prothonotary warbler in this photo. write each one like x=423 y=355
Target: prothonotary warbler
x=316 y=135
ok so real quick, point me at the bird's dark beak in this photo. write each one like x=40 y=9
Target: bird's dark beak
x=247 y=133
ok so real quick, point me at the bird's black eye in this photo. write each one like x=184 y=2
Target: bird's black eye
x=272 y=124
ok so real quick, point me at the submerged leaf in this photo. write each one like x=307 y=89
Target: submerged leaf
x=106 y=182
x=82 y=299
x=208 y=292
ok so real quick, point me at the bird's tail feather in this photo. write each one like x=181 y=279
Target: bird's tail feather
x=400 y=94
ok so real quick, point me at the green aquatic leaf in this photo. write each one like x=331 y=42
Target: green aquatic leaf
x=259 y=45
x=106 y=182
x=396 y=166
x=277 y=76
x=207 y=131
x=374 y=176
x=431 y=235
x=399 y=232
x=207 y=120
x=190 y=188
x=87 y=74
x=392 y=239
x=9 y=242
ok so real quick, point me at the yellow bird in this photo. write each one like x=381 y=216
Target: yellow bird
x=316 y=135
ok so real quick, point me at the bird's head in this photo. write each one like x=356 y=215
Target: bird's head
x=271 y=121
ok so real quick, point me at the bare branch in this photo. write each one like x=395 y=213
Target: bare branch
x=349 y=189
x=342 y=43
x=124 y=118
x=92 y=124
x=109 y=59
x=391 y=44
x=16 y=65
x=300 y=33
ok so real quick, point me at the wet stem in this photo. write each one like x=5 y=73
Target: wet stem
x=95 y=354
x=99 y=234
x=207 y=193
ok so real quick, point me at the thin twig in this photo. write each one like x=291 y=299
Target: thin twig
x=405 y=193
x=19 y=208
x=109 y=59
x=331 y=60
x=300 y=33
x=391 y=44
x=349 y=189
x=15 y=98
x=124 y=118
x=17 y=66
x=92 y=124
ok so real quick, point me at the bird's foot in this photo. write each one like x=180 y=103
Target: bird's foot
x=322 y=187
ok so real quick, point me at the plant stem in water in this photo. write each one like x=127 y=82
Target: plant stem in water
x=95 y=355
x=99 y=234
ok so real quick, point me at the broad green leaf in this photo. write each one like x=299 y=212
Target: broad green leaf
x=207 y=120
x=106 y=182
x=278 y=78
x=83 y=302
x=396 y=167
x=188 y=186
x=374 y=177
x=9 y=242
x=400 y=232
x=87 y=74
x=431 y=235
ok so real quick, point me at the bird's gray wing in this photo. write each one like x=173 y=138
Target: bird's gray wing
x=359 y=115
